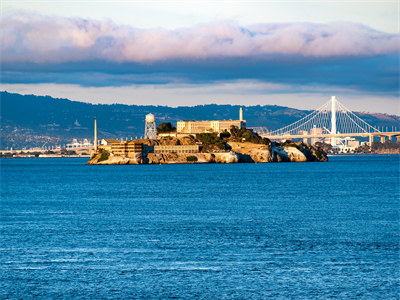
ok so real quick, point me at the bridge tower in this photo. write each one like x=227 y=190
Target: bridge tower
x=333 y=120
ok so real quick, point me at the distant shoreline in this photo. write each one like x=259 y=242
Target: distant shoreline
x=358 y=154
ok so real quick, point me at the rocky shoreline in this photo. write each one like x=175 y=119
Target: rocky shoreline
x=239 y=152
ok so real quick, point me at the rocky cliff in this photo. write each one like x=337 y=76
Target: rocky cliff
x=275 y=152
x=239 y=153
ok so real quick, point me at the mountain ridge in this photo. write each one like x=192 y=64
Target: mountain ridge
x=32 y=121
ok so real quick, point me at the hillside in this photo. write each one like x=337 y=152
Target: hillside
x=28 y=120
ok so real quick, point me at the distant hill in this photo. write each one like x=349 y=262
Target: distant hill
x=28 y=120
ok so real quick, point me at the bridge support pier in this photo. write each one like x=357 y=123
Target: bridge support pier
x=382 y=139
x=371 y=140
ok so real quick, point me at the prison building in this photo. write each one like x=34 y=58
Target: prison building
x=126 y=149
x=208 y=126
x=193 y=127
x=177 y=149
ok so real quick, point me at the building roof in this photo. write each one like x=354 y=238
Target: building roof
x=110 y=141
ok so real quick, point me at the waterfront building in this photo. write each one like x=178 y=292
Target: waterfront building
x=348 y=144
x=353 y=143
x=126 y=148
x=315 y=131
x=133 y=148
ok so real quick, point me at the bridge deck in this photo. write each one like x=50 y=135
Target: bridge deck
x=306 y=136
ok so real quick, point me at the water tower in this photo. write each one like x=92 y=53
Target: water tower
x=150 y=127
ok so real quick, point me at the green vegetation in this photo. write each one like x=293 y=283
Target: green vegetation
x=165 y=128
x=104 y=156
x=207 y=138
x=225 y=134
x=289 y=143
x=211 y=140
x=191 y=158
x=246 y=135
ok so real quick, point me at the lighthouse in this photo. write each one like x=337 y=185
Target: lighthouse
x=95 y=135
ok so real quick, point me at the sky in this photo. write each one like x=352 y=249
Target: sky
x=184 y=53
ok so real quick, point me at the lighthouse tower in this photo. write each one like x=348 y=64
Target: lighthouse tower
x=95 y=135
x=150 y=127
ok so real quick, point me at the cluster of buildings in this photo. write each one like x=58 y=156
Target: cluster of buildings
x=184 y=128
x=346 y=144
x=132 y=148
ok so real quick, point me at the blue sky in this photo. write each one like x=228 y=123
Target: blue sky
x=292 y=53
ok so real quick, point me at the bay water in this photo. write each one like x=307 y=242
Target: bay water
x=200 y=231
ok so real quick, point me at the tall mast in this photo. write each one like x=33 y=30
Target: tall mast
x=95 y=135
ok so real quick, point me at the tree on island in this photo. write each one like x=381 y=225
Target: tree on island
x=246 y=135
x=165 y=128
x=211 y=141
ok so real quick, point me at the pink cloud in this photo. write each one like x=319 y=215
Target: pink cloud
x=40 y=39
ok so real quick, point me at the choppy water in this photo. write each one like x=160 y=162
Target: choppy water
x=285 y=230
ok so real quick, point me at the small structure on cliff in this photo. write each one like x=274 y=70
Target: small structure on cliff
x=150 y=131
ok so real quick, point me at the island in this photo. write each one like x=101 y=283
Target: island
x=233 y=146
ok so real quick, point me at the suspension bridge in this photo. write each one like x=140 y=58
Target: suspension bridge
x=330 y=123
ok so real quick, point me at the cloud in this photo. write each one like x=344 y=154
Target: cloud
x=44 y=39
x=43 y=49
x=375 y=74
